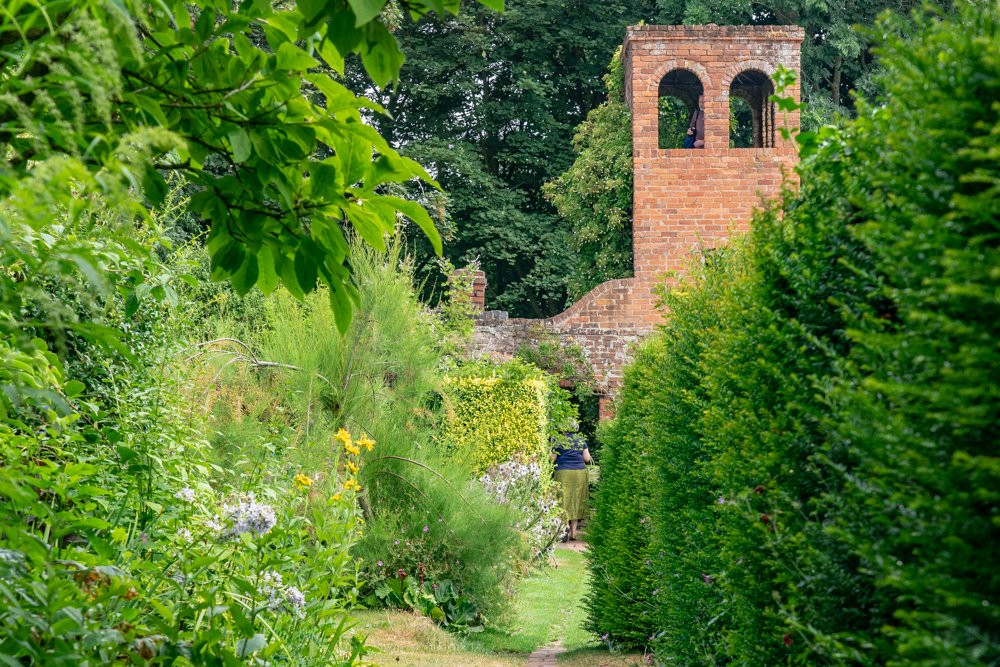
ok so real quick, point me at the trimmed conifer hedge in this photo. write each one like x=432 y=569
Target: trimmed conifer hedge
x=812 y=437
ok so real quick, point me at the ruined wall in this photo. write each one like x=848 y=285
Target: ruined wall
x=684 y=200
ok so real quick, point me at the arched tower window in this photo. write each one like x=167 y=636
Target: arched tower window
x=677 y=100
x=751 y=113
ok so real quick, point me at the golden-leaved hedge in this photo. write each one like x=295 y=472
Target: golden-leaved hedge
x=493 y=419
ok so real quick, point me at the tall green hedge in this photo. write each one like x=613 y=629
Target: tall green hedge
x=820 y=409
x=620 y=533
x=495 y=413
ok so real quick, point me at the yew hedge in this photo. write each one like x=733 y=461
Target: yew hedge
x=813 y=431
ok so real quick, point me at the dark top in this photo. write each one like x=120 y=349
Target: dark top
x=569 y=453
x=697 y=124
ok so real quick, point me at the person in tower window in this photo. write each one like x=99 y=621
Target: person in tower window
x=696 y=127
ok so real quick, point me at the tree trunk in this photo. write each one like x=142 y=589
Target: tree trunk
x=835 y=86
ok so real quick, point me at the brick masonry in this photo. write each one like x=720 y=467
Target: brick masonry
x=684 y=201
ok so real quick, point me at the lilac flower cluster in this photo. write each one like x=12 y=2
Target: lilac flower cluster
x=522 y=486
x=248 y=516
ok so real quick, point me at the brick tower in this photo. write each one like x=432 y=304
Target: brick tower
x=685 y=201
x=689 y=200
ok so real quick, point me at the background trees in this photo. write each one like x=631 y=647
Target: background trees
x=492 y=115
x=508 y=113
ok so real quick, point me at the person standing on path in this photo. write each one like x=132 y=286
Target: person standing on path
x=571 y=457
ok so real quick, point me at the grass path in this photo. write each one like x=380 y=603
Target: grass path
x=548 y=611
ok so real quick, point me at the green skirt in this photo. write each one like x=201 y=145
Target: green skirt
x=574 y=491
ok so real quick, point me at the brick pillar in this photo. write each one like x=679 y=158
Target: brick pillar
x=477 y=295
x=479 y=291
x=606 y=407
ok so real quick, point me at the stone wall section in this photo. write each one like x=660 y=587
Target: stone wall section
x=684 y=201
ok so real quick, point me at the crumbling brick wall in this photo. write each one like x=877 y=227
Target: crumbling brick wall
x=684 y=201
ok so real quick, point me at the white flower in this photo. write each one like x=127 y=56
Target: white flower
x=184 y=535
x=295 y=601
x=186 y=494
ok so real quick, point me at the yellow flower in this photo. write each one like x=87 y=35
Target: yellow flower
x=352 y=467
x=344 y=437
x=352 y=485
x=366 y=442
x=302 y=482
x=335 y=497
x=352 y=449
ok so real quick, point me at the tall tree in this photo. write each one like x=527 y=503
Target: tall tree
x=489 y=103
x=132 y=89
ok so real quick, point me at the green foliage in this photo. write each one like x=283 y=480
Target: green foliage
x=621 y=602
x=673 y=117
x=437 y=600
x=495 y=127
x=456 y=310
x=241 y=100
x=594 y=195
x=119 y=537
x=740 y=123
x=302 y=383
x=496 y=413
x=820 y=423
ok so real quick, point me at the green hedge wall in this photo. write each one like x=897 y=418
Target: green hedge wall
x=819 y=414
x=495 y=414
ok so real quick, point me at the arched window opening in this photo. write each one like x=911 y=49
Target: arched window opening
x=751 y=112
x=677 y=101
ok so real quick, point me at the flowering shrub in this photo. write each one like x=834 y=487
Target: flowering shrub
x=528 y=489
x=203 y=577
x=122 y=541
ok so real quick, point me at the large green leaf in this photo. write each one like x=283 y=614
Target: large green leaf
x=365 y=10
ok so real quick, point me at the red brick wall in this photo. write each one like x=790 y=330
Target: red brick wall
x=684 y=200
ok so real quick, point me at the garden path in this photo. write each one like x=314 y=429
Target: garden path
x=545 y=657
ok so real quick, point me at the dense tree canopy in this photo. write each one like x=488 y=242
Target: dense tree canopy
x=497 y=123
x=489 y=103
x=240 y=98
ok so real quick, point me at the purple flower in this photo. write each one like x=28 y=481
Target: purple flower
x=720 y=501
x=426 y=529
x=379 y=563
